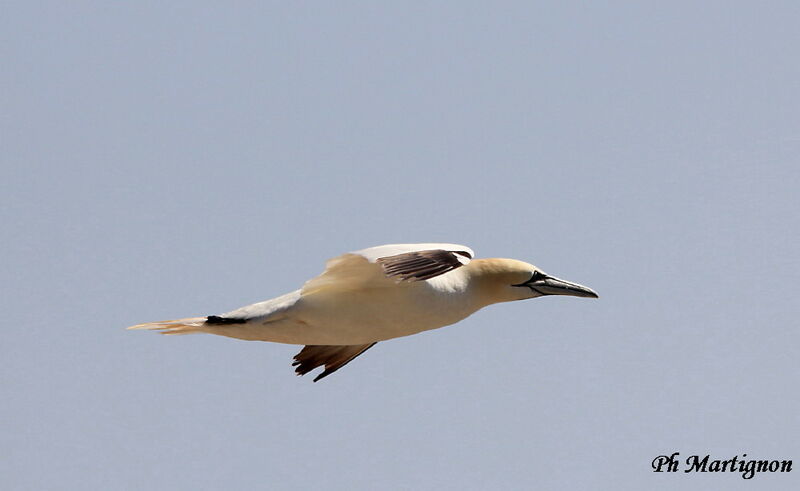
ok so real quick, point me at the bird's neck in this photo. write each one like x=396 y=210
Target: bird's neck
x=489 y=280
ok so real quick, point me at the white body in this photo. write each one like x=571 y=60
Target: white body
x=376 y=294
x=353 y=302
x=344 y=317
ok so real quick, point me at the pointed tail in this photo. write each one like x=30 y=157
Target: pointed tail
x=188 y=325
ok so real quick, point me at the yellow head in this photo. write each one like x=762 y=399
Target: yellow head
x=504 y=280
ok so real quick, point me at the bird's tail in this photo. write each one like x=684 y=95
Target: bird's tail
x=188 y=325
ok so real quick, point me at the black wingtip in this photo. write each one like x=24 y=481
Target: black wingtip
x=323 y=375
x=215 y=319
x=332 y=358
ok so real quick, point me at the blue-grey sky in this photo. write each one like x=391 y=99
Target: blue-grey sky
x=167 y=159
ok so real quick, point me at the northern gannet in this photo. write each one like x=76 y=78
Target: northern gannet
x=377 y=294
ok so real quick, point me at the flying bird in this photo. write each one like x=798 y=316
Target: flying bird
x=377 y=294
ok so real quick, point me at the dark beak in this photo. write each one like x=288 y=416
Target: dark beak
x=549 y=285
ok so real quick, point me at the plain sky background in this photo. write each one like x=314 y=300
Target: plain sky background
x=167 y=159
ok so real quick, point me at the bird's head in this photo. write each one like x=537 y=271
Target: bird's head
x=504 y=280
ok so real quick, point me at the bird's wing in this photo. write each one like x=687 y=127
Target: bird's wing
x=422 y=265
x=332 y=357
x=267 y=311
x=374 y=253
x=387 y=265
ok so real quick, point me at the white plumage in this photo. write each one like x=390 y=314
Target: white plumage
x=377 y=294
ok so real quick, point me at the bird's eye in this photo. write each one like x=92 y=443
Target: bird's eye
x=537 y=276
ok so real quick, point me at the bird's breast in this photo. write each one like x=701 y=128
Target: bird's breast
x=367 y=315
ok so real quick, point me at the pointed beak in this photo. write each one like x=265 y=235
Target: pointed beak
x=554 y=286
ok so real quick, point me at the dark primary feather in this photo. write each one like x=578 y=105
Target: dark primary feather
x=333 y=357
x=215 y=319
x=421 y=265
